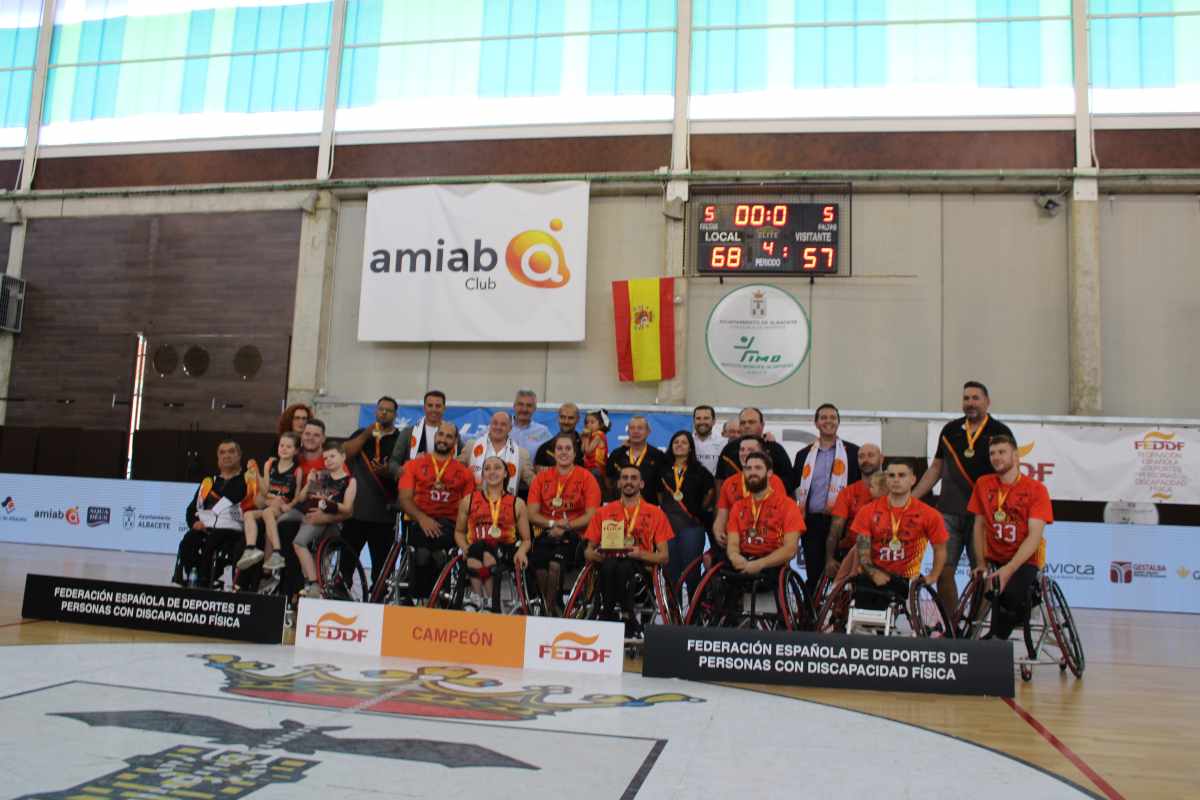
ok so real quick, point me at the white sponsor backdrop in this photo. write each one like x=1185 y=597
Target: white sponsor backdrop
x=146 y=516
x=490 y=262
x=1107 y=462
x=339 y=627
x=1125 y=567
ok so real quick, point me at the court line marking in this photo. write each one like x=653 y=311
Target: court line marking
x=1067 y=752
x=21 y=622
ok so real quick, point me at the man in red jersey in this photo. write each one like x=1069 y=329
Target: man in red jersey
x=892 y=533
x=1011 y=513
x=764 y=526
x=431 y=486
x=847 y=505
x=561 y=503
x=734 y=488
x=624 y=536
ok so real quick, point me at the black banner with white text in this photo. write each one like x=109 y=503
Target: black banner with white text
x=835 y=661
x=196 y=612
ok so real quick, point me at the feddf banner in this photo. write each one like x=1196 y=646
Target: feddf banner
x=484 y=263
x=1104 y=463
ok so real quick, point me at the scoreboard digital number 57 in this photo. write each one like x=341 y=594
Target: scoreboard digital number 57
x=768 y=239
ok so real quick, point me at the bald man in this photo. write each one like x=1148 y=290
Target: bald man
x=849 y=501
x=568 y=422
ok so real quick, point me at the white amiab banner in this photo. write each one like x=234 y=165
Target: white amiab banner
x=1105 y=463
x=481 y=263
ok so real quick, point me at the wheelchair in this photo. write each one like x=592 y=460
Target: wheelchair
x=721 y=600
x=512 y=590
x=918 y=613
x=653 y=598
x=339 y=573
x=1049 y=633
x=394 y=585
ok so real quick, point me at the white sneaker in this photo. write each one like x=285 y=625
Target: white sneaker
x=249 y=558
x=276 y=561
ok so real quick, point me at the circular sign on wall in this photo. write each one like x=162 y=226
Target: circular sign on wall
x=758 y=335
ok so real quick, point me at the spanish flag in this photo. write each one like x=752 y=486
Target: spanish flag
x=644 y=315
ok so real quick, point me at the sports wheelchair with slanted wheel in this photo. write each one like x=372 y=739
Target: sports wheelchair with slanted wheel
x=512 y=590
x=394 y=584
x=1048 y=633
x=339 y=573
x=850 y=606
x=653 y=598
x=726 y=598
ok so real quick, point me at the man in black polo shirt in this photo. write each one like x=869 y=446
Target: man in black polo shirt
x=961 y=459
x=568 y=419
x=214 y=519
x=637 y=452
x=751 y=423
x=368 y=453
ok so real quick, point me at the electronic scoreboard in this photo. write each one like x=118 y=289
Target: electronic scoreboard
x=766 y=238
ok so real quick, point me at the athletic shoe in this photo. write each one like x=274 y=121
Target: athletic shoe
x=276 y=561
x=312 y=590
x=251 y=557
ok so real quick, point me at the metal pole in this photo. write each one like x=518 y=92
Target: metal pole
x=333 y=71
x=37 y=98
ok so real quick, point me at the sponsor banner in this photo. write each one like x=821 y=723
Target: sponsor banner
x=461 y=637
x=145 y=516
x=197 y=612
x=758 y=335
x=490 y=263
x=1105 y=463
x=1120 y=567
x=836 y=661
x=472 y=422
x=340 y=627
x=560 y=644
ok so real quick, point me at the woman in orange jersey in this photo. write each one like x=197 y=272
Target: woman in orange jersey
x=490 y=522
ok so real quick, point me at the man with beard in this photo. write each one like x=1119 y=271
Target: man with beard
x=568 y=420
x=735 y=488
x=752 y=423
x=849 y=501
x=624 y=536
x=960 y=461
x=708 y=444
x=368 y=454
x=765 y=526
x=430 y=490
x=1011 y=514
x=418 y=438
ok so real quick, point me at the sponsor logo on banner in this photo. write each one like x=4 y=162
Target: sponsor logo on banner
x=575 y=645
x=1070 y=571
x=98 y=515
x=153 y=522
x=339 y=626
x=1120 y=572
x=536 y=258
x=1160 y=464
x=1038 y=470
x=9 y=505
x=568 y=646
x=128 y=517
x=67 y=515
x=758 y=335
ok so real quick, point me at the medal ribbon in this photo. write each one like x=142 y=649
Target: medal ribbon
x=679 y=476
x=560 y=485
x=896 y=522
x=638 y=461
x=631 y=521
x=972 y=438
x=377 y=434
x=438 y=473
x=1002 y=495
x=494 y=508
x=756 y=509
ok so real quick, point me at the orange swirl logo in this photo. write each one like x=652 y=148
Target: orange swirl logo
x=336 y=618
x=535 y=258
x=1158 y=441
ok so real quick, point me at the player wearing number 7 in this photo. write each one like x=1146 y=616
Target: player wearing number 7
x=1011 y=513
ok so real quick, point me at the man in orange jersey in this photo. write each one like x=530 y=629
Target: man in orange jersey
x=734 y=488
x=1011 y=513
x=431 y=487
x=764 y=526
x=892 y=533
x=561 y=503
x=623 y=537
x=849 y=501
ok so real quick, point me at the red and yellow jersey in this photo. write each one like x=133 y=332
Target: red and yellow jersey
x=576 y=492
x=777 y=514
x=734 y=489
x=437 y=496
x=1024 y=500
x=596 y=453
x=308 y=465
x=899 y=552
x=650 y=525
x=849 y=501
x=479 y=519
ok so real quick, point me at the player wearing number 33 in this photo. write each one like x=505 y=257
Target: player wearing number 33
x=1011 y=512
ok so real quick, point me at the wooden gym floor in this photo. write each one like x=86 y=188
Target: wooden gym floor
x=1126 y=730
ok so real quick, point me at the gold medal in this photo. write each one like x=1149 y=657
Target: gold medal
x=557 y=502
x=752 y=533
x=678 y=497
x=973 y=436
x=494 y=532
x=969 y=452
x=1002 y=495
x=999 y=516
x=438 y=473
x=439 y=486
x=895 y=545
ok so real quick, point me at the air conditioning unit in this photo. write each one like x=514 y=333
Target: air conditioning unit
x=12 y=303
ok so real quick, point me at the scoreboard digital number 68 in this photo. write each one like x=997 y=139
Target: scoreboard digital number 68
x=765 y=238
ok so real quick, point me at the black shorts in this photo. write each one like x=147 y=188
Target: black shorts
x=418 y=540
x=869 y=596
x=564 y=551
x=499 y=550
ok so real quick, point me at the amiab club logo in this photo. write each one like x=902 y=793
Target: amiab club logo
x=535 y=258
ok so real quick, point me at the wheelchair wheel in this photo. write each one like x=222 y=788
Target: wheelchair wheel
x=451 y=585
x=925 y=613
x=394 y=577
x=693 y=567
x=821 y=592
x=529 y=598
x=795 y=610
x=664 y=599
x=583 y=600
x=339 y=574
x=706 y=608
x=835 y=608
x=1064 y=628
x=969 y=614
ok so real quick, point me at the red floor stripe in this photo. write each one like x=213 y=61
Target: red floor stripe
x=22 y=622
x=1103 y=785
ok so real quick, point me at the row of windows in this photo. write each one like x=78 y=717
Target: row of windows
x=409 y=63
